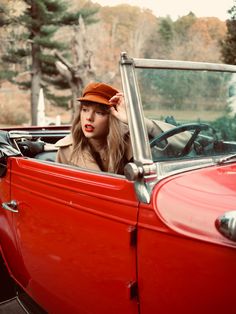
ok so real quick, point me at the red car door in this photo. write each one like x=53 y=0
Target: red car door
x=8 y=244
x=74 y=231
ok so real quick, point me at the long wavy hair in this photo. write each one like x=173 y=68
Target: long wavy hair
x=116 y=141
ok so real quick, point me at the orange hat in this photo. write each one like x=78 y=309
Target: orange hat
x=99 y=93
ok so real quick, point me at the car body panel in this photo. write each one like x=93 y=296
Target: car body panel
x=192 y=264
x=67 y=227
x=200 y=197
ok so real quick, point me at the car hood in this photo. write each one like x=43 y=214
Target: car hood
x=190 y=203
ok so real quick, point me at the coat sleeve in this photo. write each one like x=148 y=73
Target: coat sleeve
x=156 y=127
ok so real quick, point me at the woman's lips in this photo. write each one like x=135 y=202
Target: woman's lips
x=88 y=128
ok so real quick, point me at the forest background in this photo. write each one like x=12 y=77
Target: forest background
x=121 y=28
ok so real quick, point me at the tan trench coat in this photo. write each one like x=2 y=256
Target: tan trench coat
x=85 y=160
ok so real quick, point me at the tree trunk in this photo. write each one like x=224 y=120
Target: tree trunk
x=35 y=83
x=36 y=70
x=80 y=72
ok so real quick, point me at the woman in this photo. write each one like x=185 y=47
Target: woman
x=99 y=138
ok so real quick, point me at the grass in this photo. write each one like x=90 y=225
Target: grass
x=184 y=115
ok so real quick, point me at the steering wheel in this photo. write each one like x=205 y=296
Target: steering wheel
x=195 y=127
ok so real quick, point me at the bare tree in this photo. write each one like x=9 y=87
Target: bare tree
x=80 y=72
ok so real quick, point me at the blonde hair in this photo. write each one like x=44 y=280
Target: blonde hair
x=116 y=142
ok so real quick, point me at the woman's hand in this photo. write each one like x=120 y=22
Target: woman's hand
x=118 y=108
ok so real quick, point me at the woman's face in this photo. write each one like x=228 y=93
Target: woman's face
x=94 y=121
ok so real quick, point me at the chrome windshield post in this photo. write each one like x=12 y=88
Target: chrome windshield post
x=143 y=170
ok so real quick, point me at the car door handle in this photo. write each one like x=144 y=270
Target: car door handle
x=11 y=206
x=226 y=225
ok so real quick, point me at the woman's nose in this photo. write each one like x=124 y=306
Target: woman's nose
x=90 y=116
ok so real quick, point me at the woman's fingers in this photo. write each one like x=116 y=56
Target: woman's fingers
x=118 y=109
x=117 y=99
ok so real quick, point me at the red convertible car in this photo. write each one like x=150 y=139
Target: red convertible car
x=159 y=239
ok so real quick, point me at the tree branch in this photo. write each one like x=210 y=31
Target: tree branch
x=64 y=61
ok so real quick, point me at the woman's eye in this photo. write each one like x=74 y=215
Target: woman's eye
x=101 y=113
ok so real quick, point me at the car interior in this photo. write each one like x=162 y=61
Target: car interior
x=38 y=144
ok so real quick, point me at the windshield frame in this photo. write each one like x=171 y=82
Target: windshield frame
x=144 y=170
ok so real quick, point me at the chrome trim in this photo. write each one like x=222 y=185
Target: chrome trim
x=168 y=168
x=141 y=151
x=143 y=168
x=226 y=225
x=19 y=134
x=182 y=65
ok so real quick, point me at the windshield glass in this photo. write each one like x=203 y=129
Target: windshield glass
x=205 y=101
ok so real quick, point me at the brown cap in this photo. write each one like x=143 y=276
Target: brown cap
x=99 y=93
